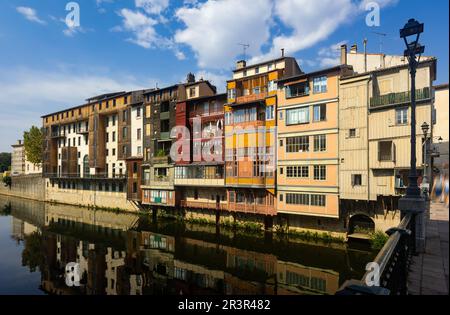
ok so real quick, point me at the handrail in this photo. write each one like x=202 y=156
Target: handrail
x=393 y=262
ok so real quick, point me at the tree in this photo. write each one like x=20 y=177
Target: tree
x=32 y=141
x=7 y=180
x=5 y=161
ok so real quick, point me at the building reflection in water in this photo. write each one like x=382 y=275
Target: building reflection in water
x=122 y=254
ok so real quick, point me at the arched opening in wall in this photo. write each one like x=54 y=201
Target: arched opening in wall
x=361 y=224
x=86 y=168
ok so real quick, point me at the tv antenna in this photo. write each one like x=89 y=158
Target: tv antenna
x=380 y=35
x=245 y=47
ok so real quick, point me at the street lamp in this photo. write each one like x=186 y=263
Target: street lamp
x=425 y=128
x=410 y=30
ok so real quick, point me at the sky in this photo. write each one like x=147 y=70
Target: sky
x=120 y=45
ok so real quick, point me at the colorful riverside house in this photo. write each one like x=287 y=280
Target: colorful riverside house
x=159 y=119
x=250 y=135
x=308 y=150
x=85 y=151
x=200 y=175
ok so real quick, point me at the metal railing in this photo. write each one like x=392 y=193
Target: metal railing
x=392 y=261
x=398 y=98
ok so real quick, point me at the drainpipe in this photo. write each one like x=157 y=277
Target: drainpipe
x=365 y=54
x=367 y=135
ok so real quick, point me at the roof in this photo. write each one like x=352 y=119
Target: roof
x=104 y=96
x=217 y=96
x=422 y=62
x=261 y=63
x=441 y=86
x=157 y=90
x=320 y=71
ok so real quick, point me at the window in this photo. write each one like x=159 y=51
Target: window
x=114 y=103
x=107 y=137
x=297 y=144
x=270 y=112
x=192 y=92
x=244 y=115
x=114 y=152
x=320 y=84
x=139 y=150
x=114 y=136
x=318 y=200
x=352 y=133
x=138 y=112
x=124 y=150
x=135 y=167
x=231 y=94
x=273 y=86
x=297 y=171
x=356 y=180
x=125 y=115
x=386 y=151
x=320 y=112
x=401 y=116
x=139 y=134
x=256 y=70
x=125 y=100
x=281 y=143
x=297 y=199
x=320 y=143
x=114 y=120
x=124 y=132
x=107 y=152
x=297 y=90
x=297 y=116
x=86 y=169
x=320 y=172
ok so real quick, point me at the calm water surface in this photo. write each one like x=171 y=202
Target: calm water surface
x=126 y=254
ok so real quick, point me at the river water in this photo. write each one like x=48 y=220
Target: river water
x=124 y=254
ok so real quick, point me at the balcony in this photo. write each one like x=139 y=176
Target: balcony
x=58 y=134
x=161 y=159
x=252 y=208
x=251 y=98
x=158 y=181
x=400 y=98
x=203 y=205
x=165 y=135
x=82 y=130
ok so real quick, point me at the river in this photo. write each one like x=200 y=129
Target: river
x=125 y=254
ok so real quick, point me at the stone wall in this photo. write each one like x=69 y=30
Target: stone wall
x=26 y=186
x=89 y=198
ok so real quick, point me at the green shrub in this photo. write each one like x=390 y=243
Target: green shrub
x=378 y=239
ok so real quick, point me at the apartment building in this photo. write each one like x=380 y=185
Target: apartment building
x=159 y=119
x=86 y=149
x=199 y=174
x=308 y=143
x=18 y=159
x=374 y=137
x=250 y=134
x=19 y=162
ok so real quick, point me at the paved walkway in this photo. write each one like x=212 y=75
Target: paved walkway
x=429 y=271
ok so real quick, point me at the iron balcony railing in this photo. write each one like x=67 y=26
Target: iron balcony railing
x=89 y=176
x=393 y=263
x=398 y=98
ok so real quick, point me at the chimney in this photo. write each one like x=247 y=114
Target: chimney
x=20 y=142
x=354 y=49
x=282 y=52
x=190 y=78
x=343 y=54
x=241 y=64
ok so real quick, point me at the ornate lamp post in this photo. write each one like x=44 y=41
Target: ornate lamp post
x=413 y=48
x=413 y=203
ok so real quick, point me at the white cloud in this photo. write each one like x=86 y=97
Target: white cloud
x=330 y=56
x=141 y=26
x=30 y=14
x=152 y=6
x=214 y=29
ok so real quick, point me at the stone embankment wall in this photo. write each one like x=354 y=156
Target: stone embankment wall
x=26 y=186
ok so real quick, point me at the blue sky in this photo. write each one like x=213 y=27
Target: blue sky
x=128 y=44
